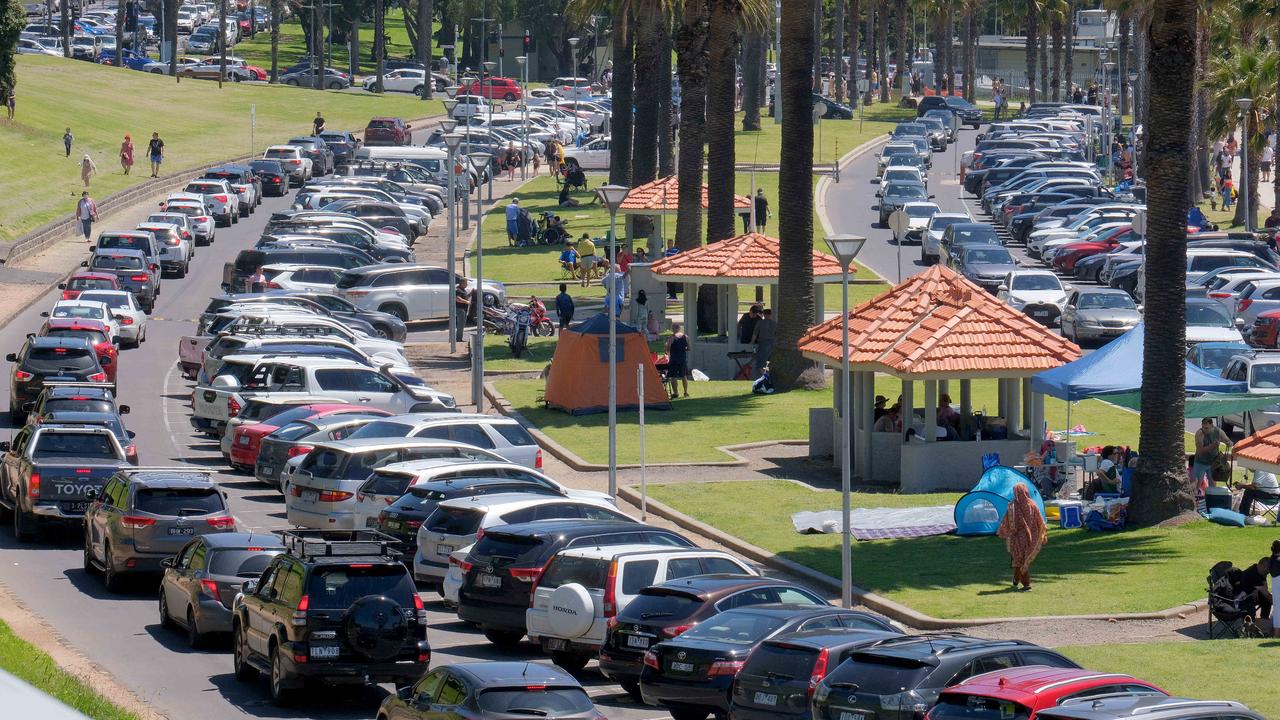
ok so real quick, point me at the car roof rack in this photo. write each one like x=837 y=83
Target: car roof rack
x=312 y=544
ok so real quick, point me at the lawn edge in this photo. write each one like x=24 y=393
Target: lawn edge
x=879 y=603
x=30 y=627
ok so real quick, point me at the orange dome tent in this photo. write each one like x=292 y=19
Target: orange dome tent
x=578 y=381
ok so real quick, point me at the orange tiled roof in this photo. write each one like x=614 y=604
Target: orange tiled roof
x=752 y=256
x=941 y=325
x=1261 y=447
x=663 y=195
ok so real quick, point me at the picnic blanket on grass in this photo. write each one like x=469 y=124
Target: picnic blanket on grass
x=880 y=523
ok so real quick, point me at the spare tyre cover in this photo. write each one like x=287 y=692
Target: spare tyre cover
x=570 y=611
x=375 y=627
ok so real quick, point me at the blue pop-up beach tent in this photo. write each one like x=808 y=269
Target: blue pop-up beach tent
x=981 y=509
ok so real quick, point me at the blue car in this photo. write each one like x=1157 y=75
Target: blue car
x=132 y=59
x=1213 y=356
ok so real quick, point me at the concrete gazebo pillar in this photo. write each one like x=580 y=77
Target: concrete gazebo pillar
x=966 y=399
x=930 y=410
x=690 y=300
x=1014 y=420
x=908 y=403
x=819 y=303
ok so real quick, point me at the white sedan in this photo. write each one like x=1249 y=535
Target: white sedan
x=410 y=80
x=86 y=310
x=592 y=156
x=130 y=316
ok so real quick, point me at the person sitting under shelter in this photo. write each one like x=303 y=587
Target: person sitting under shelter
x=890 y=421
x=1263 y=487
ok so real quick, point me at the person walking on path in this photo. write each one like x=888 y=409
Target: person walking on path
x=87 y=169
x=1268 y=155
x=67 y=139
x=762 y=210
x=461 y=304
x=564 y=307
x=87 y=214
x=126 y=154
x=763 y=337
x=317 y=125
x=1023 y=532
x=155 y=151
x=11 y=103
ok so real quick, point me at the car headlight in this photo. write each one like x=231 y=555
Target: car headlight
x=1016 y=302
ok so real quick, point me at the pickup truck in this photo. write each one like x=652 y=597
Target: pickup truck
x=49 y=471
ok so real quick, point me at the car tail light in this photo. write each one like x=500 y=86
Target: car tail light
x=424 y=657
x=210 y=588
x=1219 y=295
x=610 y=591
x=529 y=575
x=651 y=659
x=819 y=670
x=220 y=198
x=725 y=667
x=420 y=610
x=300 y=613
x=172 y=240
x=413 y=524
x=97 y=377
x=1243 y=304
x=137 y=522
x=70 y=294
x=295 y=161
x=334 y=495
x=222 y=523
x=131 y=452
x=140 y=278
x=233 y=407
x=611 y=623
x=296 y=450
x=126 y=320
x=674 y=630
x=464 y=565
x=203 y=218
x=22 y=375
x=33 y=485
x=275 y=178
x=537 y=460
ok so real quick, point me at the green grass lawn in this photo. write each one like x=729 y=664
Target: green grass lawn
x=1213 y=669
x=831 y=140
x=292 y=46
x=30 y=664
x=719 y=413
x=199 y=123
x=946 y=576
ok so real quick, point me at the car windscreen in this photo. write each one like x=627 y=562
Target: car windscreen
x=508 y=549
x=1216 y=358
x=241 y=562
x=111 y=301
x=1106 y=301
x=1036 y=282
x=77 y=445
x=735 y=628
x=782 y=662
x=91 y=284
x=383 y=429
x=179 y=502
x=266 y=166
x=116 y=262
x=282 y=153
x=127 y=242
x=454 y=521
x=988 y=256
x=652 y=604
x=92 y=336
x=1206 y=315
x=591 y=573
x=285 y=414
x=293 y=431
x=337 y=588
x=535 y=701
x=89 y=312
x=920 y=211
x=977 y=707
x=906 y=191
x=881 y=674
x=54 y=359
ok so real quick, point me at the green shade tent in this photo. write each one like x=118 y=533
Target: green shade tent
x=1205 y=405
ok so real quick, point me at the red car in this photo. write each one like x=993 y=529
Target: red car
x=1265 y=330
x=82 y=281
x=247 y=438
x=494 y=88
x=387 y=131
x=1068 y=255
x=1019 y=693
x=95 y=331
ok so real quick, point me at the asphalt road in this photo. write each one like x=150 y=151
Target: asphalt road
x=122 y=632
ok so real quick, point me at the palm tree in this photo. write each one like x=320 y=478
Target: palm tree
x=1245 y=73
x=1069 y=40
x=882 y=47
x=691 y=64
x=1161 y=490
x=968 y=42
x=837 y=32
x=275 y=42
x=620 y=123
x=426 y=13
x=651 y=31
x=854 y=18
x=1122 y=64
x=902 y=57
x=1032 y=28
x=666 y=143
x=753 y=78
x=795 y=194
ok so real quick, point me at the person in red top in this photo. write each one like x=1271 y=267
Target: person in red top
x=624 y=259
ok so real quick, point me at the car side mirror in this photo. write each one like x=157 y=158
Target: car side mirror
x=84 y=263
x=1139 y=308
x=93 y=247
x=44 y=314
x=405 y=692
x=249 y=587
x=1239 y=322
x=1003 y=288
x=167 y=562
x=62 y=286
x=11 y=357
x=123 y=409
x=131 y=434
x=932 y=197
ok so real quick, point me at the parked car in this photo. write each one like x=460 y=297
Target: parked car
x=96 y=332
x=491 y=691
x=504 y=436
x=407 y=291
x=50 y=360
x=81 y=281
x=272 y=176
x=246 y=436
x=203 y=226
x=293 y=160
x=132 y=272
x=109 y=420
x=1098 y=314
x=493 y=88
x=222 y=201
x=1026 y=691
x=986 y=266
x=203 y=578
x=291 y=442
x=332 y=80
x=1037 y=293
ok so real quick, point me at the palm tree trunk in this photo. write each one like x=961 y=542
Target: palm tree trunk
x=1069 y=40
x=837 y=38
x=795 y=196
x=275 y=42
x=622 y=120
x=882 y=47
x=691 y=64
x=1031 y=55
x=1122 y=65
x=120 y=13
x=752 y=78
x=966 y=48
x=1161 y=490
x=722 y=43
x=948 y=45
x=666 y=139
x=1044 y=62
x=644 y=151
x=855 y=47
x=353 y=54
x=1203 y=168
x=903 y=58
x=1055 y=78
x=426 y=13
x=971 y=56
x=817 y=46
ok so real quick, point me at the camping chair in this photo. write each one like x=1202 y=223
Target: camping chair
x=1270 y=505
x=1226 y=615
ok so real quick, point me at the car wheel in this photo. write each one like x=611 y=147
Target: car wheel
x=111 y=578
x=240 y=656
x=280 y=693
x=509 y=97
x=687 y=713
x=570 y=662
x=382 y=331
x=292 y=82
x=396 y=310
x=632 y=688
x=166 y=621
x=503 y=638
x=87 y=559
x=418 y=91
x=23 y=529
x=335 y=86
x=195 y=638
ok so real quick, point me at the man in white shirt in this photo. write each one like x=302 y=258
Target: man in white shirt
x=1264 y=486
x=86 y=213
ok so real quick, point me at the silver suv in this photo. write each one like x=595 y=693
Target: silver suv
x=503 y=435
x=144 y=515
x=1147 y=707
x=222 y=201
x=410 y=292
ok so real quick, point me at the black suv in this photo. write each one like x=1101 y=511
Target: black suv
x=50 y=359
x=505 y=564
x=336 y=606
x=900 y=678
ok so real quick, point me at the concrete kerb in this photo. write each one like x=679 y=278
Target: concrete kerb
x=879 y=603
x=824 y=184
x=568 y=457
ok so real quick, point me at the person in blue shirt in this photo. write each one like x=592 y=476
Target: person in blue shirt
x=1196 y=218
x=513 y=220
x=569 y=258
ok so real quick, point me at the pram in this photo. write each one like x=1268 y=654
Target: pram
x=526 y=228
x=574 y=177
x=1230 y=613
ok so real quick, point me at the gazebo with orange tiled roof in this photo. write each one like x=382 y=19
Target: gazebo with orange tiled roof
x=750 y=259
x=935 y=327
x=662 y=197
x=1260 y=451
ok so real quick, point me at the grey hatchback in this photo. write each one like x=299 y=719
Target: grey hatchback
x=145 y=515
x=1147 y=707
x=491 y=691
x=200 y=582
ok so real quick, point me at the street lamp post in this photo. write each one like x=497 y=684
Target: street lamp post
x=573 y=54
x=479 y=160
x=845 y=248
x=612 y=196
x=1245 y=104
x=1133 y=127
x=451 y=142
x=489 y=65
x=452 y=92
x=819 y=109
x=521 y=60
x=1107 y=67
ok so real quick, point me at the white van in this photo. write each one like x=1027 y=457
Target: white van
x=433 y=160
x=582 y=589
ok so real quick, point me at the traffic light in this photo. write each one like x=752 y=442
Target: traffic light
x=502 y=52
x=528 y=43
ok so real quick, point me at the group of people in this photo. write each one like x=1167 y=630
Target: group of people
x=757 y=328
x=88 y=168
x=889 y=419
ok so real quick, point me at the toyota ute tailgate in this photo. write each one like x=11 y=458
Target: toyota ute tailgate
x=68 y=484
x=212 y=407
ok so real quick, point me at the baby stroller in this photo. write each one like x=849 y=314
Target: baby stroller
x=574 y=177
x=526 y=228
x=1230 y=613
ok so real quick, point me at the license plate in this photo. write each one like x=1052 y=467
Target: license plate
x=486 y=580
x=329 y=651
x=557 y=644
x=371 y=522
x=1040 y=313
x=636 y=641
x=688 y=667
x=243 y=440
x=765 y=699
x=394 y=525
x=75 y=507
x=853 y=716
x=182 y=531
x=444 y=549
x=267 y=469
x=310 y=495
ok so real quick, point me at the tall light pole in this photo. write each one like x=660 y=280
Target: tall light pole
x=479 y=160
x=222 y=43
x=1107 y=67
x=1244 y=104
x=612 y=196
x=1133 y=127
x=522 y=61
x=451 y=93
x=777 y=61
x=573 y=54
x=845 y=248
x=451 y=142
x=489 y=65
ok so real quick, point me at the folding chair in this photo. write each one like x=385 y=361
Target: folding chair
x=1226 y=615
x=1270 y=505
